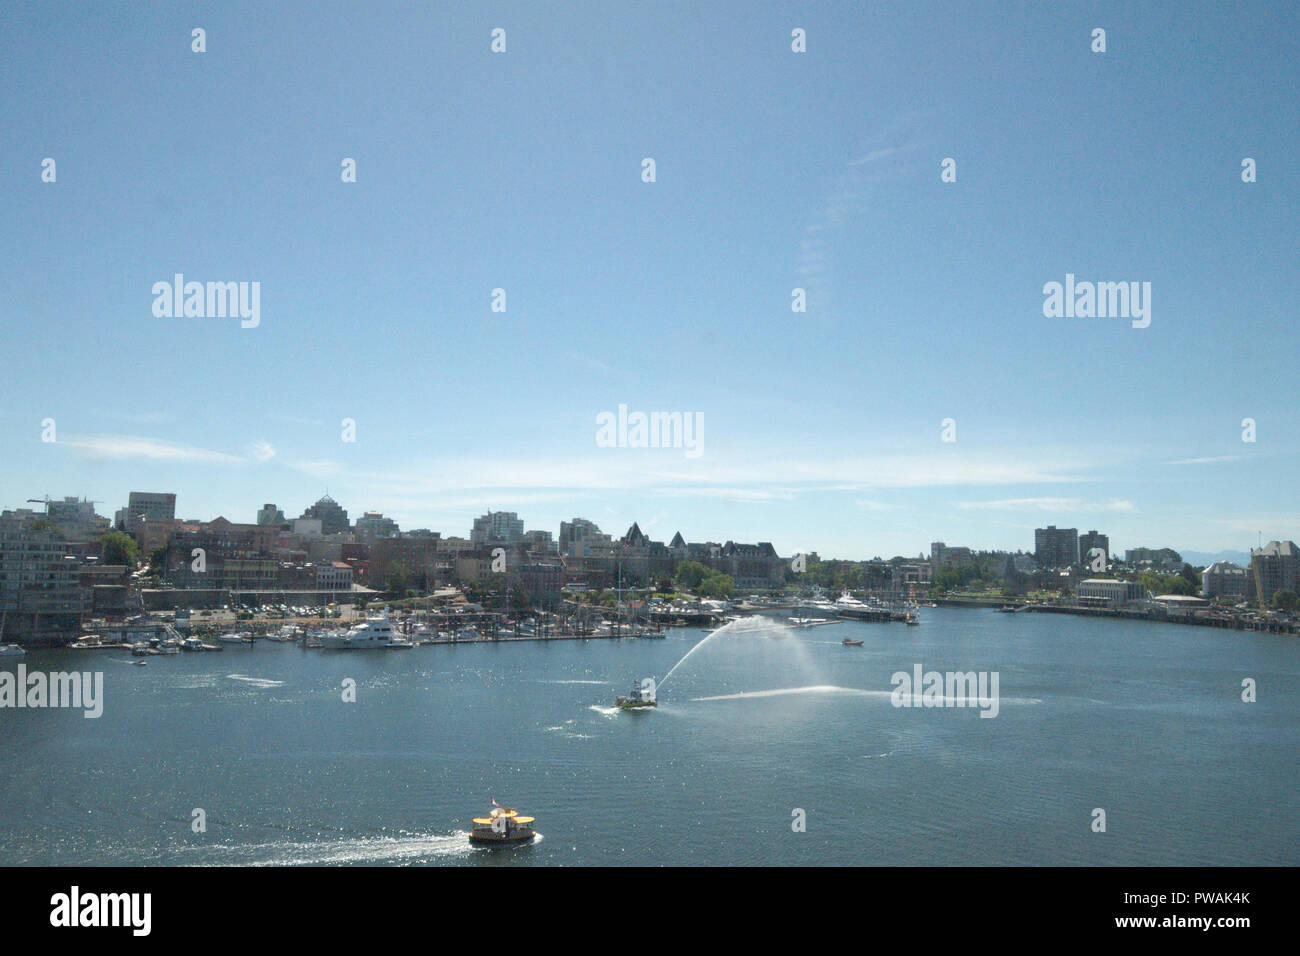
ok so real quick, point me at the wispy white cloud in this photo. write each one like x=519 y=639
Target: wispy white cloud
x=294 y=419
x=122 y=447
x=1051 y=504
x=1204 y=461
x=263 y=450
x=879 y=154
x=317 y=468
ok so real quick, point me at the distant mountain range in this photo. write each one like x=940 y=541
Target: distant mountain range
x=1206 y=558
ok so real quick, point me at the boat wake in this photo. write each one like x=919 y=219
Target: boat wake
x=604 y=711
x=256 y=681
x=846 y=691
x=573 y=682
x=409 y=849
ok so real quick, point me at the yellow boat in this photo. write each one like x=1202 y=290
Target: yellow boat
x=502 y=827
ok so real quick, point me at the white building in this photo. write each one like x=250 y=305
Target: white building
x=1108 y=592
x=335 y=576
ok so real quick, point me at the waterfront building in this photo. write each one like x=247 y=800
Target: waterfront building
x=543 y=580
x=1228 y=581
x=333 y=517
x=1108 y=592
x=335 y=576
x=1276 y=567
x=751 y=566
x=1056 y=547
x=41 y=600
x=908 y=575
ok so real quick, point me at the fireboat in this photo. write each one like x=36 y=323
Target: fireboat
x=502 y=827
x=641 y=695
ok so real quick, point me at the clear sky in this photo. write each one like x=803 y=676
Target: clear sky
x=775 y=170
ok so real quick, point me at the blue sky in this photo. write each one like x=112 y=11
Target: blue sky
x=775 y=170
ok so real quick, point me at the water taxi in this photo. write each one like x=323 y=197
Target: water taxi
x=641 y=695
x=502 y=827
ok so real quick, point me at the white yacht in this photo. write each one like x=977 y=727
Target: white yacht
x=231 y=638
x=847 y=602
x=376 y=632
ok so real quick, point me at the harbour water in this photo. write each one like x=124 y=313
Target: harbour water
x=1145 y=721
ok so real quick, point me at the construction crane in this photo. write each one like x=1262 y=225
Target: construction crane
x=47 y=499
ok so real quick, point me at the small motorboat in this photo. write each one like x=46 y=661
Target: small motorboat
x=139 y=663
x=848 y=643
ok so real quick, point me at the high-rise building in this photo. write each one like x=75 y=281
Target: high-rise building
x=1094 y=539
x=333 y=517
x=574 y=534
x=149 y=504
x=1276 y=567
x=373 y=524
x=41 y=600
x=497 y=527
x=1056 y=547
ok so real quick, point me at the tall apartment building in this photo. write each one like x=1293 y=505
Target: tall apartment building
x=373 y=524
x=41 y=600
x=1276 y=567
x=504 y=527
x=1094 y=539
x=577 y=533
x=1056 y=547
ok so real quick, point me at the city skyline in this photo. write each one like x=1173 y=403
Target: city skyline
x=369 y=523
